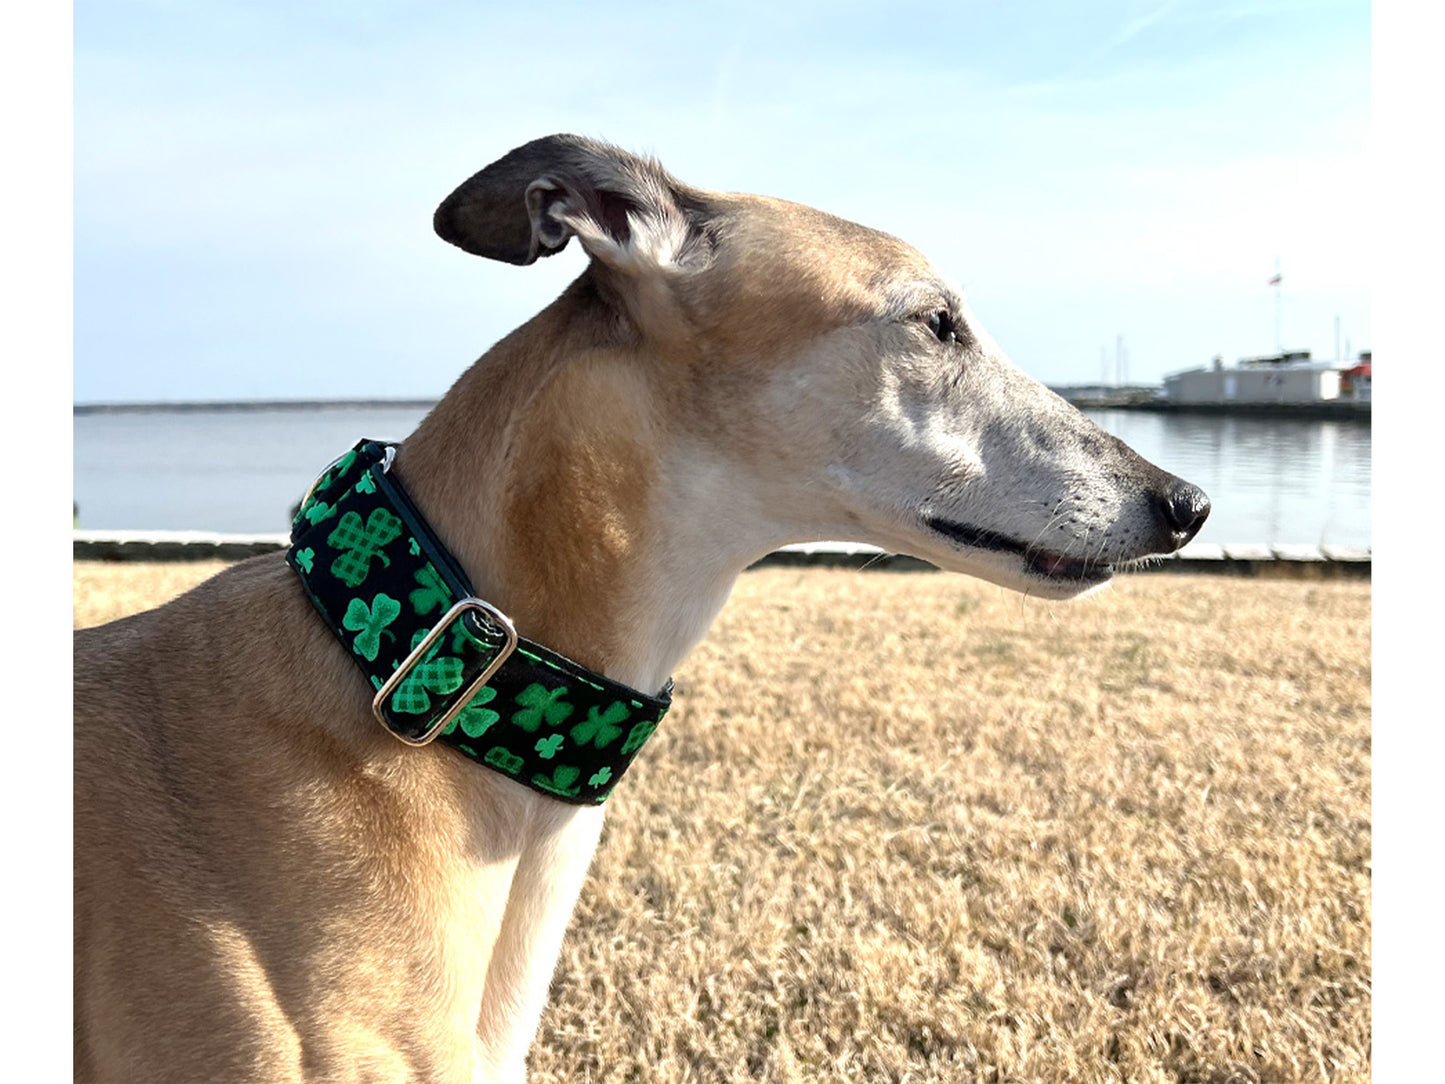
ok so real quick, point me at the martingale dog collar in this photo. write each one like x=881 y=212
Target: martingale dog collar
x=447 y=666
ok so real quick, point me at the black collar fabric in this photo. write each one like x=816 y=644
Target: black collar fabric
x=445 y=665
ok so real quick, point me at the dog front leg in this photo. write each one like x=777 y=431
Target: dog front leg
x=543 y=895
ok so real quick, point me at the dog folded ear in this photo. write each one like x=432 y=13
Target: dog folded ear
x=625 y=210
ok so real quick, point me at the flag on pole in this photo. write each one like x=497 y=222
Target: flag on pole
x=1278 y=278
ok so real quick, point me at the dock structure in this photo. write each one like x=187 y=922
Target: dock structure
x=1280 y=385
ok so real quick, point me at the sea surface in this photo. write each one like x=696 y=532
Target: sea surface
x=242 y=471
x=1271 y=480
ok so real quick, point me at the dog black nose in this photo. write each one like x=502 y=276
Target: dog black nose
x=1184 y=508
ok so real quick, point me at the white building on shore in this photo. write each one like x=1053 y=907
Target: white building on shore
x=1283 y=378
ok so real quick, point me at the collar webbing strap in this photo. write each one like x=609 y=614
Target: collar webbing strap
x=446 y=665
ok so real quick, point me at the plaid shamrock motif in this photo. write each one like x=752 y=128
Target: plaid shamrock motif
x=381 y=581
x=433 y=673
x=359 y=544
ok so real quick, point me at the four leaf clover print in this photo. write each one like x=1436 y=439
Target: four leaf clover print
x=551 y=748
x=539 y=704
x=601 y=728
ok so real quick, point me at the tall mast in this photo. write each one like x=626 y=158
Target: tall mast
x=1275 y=282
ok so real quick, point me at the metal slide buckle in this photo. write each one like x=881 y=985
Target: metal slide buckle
x=497 y=618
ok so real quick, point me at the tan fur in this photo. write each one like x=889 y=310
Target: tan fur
x=267 y=885
x=592 y=460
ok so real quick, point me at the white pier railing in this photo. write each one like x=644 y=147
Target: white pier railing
x=1244 y=558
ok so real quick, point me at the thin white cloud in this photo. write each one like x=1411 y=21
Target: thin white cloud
x=1132 y=27
x=313 y=158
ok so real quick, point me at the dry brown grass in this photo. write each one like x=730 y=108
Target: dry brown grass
x=909 y=827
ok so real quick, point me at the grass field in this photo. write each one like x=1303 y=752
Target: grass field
x=911 y=827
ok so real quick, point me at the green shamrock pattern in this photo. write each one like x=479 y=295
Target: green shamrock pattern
x=360 y=545
x=435 y=673
x=539 y=703
x=432 y=594
x=370 y=623
x=382 y=584
x=602 y=728
x=338 y=469
x=317 y=511
x=640 y=733
x=475 y=719
x=499 y=757
x=562 y=782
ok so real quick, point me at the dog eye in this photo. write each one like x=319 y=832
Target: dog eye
x=941 y=324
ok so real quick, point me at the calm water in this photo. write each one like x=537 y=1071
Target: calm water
x=231 y=471
x=1270 y=480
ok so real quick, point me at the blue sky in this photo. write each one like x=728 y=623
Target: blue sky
x=254 y=181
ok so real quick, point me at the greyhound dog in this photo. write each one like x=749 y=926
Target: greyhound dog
x=269 y=886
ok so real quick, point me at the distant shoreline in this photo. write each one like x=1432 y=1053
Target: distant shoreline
x=232 y=406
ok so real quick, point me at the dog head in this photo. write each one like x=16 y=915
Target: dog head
x=832 y=373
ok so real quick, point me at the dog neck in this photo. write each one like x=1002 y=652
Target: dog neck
x=553 y=473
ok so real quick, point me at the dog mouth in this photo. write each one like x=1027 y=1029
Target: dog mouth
x=1040 y=563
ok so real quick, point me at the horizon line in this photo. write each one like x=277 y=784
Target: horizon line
x=187 y=405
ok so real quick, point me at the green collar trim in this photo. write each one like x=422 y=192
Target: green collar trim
x=447 y=666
